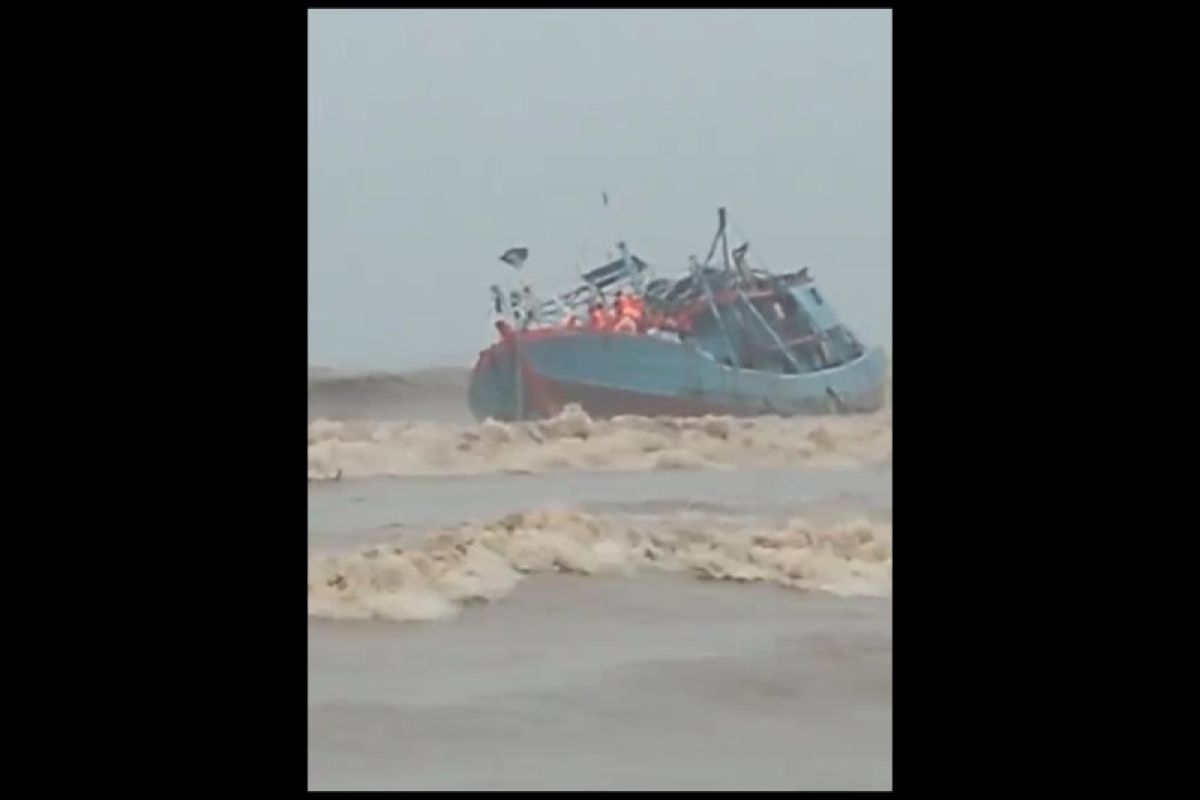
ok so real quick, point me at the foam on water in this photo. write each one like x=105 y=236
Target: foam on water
x=483 y=562
x=575 y=441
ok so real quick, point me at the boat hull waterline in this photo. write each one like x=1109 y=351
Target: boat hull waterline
x=536 y=374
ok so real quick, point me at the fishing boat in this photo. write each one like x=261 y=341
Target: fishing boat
x=722 y=339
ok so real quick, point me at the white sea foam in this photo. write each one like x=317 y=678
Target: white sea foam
x=575 y=441
x=484 y=562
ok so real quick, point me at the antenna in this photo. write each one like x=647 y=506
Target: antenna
x=724 y=238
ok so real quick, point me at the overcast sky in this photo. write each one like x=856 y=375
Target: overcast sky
x=439 y=139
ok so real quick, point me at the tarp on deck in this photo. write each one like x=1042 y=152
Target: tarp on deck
x=613 y=271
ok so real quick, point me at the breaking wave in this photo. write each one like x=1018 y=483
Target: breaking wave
x=484 y=562
x=575 y=441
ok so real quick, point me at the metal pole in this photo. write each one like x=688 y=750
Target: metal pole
x=712 y=303
x=724 y=239
x=774 y=335
x=717 y=238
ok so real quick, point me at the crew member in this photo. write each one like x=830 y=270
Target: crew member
x=598 y=318
x=618 y=306
x=627 y=313
x=637 y=309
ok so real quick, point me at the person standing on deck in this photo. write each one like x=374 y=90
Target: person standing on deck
x=637 y=308
x=598 y=318
x=627 y=313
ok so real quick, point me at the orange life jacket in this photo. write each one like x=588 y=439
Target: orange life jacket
x=626 y=325
x=629 y=306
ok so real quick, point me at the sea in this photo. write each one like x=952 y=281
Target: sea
x=582 y=604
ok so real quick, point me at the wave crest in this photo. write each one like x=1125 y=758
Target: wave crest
x=573 y=440
x=485 y=562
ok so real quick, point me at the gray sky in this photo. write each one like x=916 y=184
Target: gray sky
x=439 y=139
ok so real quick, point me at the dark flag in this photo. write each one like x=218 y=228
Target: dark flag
x=605 y=196
x=515 y=256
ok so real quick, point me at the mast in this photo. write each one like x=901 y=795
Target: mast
x=716 y=239
x=698 y=271
x=783 y=348
x=721 y=231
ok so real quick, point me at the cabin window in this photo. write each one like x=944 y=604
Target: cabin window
x=816 y=296
x=796 y=322
x=846 y=346
x=780 y=308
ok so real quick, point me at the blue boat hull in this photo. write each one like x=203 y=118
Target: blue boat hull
x=610 y=374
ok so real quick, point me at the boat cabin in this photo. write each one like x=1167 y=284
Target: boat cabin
x=743 y=317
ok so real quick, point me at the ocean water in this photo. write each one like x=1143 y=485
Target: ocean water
x=587 y=604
